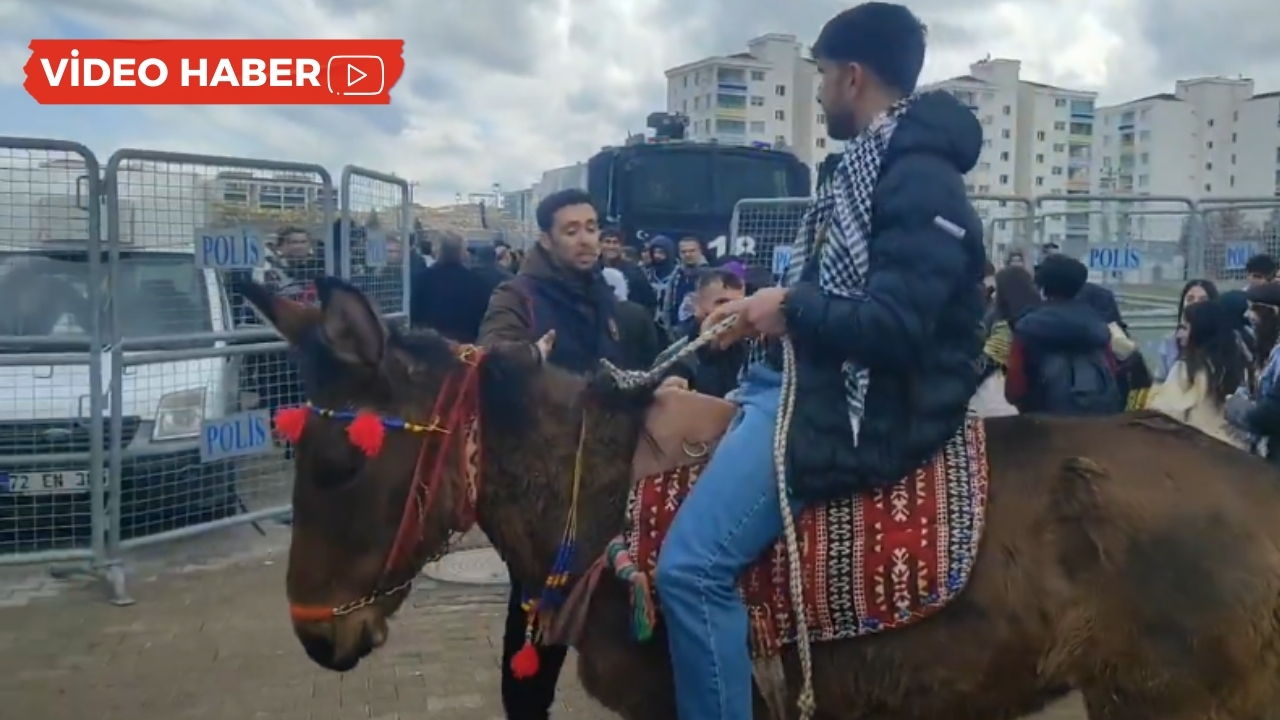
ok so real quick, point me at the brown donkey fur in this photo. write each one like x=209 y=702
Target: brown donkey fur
x=1130 y=558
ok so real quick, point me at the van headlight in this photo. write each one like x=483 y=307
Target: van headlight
x=179 y=416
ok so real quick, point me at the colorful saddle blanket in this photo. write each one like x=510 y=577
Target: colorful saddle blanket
x=871 y=563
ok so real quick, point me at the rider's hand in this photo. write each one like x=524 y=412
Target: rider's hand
x=760 y=314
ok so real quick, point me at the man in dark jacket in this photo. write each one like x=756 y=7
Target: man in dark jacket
x=713 y=370
x=639 y=290
x=559 y=290
x=1060 y=361
x=488 y=270
x=885 y=323
x=448 y=297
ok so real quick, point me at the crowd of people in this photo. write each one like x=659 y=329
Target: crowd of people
x=1058 y=344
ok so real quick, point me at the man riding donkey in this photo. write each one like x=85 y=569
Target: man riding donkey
x=883 y=307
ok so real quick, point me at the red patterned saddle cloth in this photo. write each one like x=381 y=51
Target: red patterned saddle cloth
x=871 y=563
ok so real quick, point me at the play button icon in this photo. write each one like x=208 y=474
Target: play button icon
x=355 y=75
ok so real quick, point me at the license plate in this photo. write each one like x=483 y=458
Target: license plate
x=52 y=482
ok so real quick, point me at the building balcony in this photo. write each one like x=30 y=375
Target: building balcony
x=1077 y=184
x=731 y=113
x=731 y=88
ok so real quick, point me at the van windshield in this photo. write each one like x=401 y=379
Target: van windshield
x=46 y=294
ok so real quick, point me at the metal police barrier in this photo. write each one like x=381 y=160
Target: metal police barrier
x=762 y=232
x=1234 y=230
x=53 y=436
x=377 y=224
x=1008 y=223
x=193 y=374
x=1132 y=243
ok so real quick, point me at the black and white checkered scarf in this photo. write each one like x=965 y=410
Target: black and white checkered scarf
x=836 y=226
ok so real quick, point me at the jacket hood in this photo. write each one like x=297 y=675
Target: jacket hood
x=1071 y=326
x=937 y=124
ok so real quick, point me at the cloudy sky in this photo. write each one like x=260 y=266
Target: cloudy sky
x=500 y=90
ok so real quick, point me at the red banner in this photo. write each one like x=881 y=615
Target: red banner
x=213 y=72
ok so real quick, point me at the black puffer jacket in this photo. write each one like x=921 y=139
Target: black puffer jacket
x=918 y=330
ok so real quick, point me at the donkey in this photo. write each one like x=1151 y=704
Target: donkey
x=1130 y=558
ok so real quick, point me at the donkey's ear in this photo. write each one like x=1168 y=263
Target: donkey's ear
x=290 y=318
x=352 y=329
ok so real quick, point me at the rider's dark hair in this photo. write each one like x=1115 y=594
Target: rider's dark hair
x=1060 y=277
x=557 y=201
x=885 y=38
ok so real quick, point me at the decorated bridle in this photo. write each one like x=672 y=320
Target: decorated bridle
x=456 y=416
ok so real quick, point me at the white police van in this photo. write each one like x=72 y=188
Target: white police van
x=170 y=409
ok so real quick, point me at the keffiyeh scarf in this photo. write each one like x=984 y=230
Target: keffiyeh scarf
x=835 y=230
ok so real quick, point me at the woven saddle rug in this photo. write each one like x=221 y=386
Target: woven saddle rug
x=874 y=562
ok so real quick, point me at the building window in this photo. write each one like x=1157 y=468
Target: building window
x=1143 y=180
x=1233 y=159
x=1144 y=158
x=1039 y=182
x=1040 y=135
x=731 y=127
x=779 y=114
x=1004 y=179
x=1208 y=166
x=1056 y=170
x=1235 y=116
x=757 y=101
x=780 y=90
x=1210 y=122
x=986 y=143
x=1231 y=181
x=1004 y=156
x=1144 y=135
x=1233 y=137
x=1039 y=158
x=822 y=119
x=820 y=142
x=984 y=166
x=984 y=188
x=1059 y=126
x=757 y=126
x=1059 y=147
x=1004 y=133
x=757 y=75
x=987 y=119
x=1007 y=110
x=1209 y=145
x=686 y=81
x=1208 y=188
x=779 y=141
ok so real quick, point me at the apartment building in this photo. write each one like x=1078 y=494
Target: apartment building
x=1211 y=137
x=766 y=96
x=1037 y=141
x=1259 y=123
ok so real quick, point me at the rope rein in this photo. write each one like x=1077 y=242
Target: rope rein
x=683 y=348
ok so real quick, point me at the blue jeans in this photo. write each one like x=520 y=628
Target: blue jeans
x=730 y=518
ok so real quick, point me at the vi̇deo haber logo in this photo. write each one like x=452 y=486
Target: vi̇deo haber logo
x=213 y=72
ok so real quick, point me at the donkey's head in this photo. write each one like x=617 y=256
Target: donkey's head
x=387 y=461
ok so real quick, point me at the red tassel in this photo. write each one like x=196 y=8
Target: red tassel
x=290 y=422
x=524 y=664
x=366 y=432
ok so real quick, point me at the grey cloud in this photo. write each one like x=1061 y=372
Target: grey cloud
x=1226 y=37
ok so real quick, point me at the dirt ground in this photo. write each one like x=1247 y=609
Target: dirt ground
x=208 y=638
